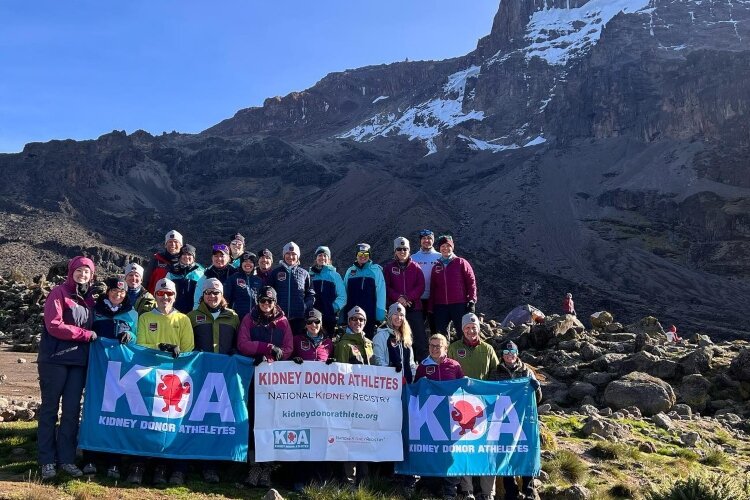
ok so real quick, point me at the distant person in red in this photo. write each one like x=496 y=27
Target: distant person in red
x=672 y=334
x=568 y=305
x=161 y=262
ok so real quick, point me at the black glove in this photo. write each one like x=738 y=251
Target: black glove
x=171 y=348
x=470 y=307
x=125 y=337
x=398 y=367
x=297 y=360
x=330 y=360
x=258 y=360
x=93 y=337
x=277 y=353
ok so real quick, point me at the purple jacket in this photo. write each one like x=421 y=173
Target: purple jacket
x=404 y=280
x=452 y=284
x=305 y=349
x=447 y=369
x=257 y=335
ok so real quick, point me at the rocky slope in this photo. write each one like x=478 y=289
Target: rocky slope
x=598 y=147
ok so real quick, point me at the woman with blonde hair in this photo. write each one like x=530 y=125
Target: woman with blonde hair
x=392 y=345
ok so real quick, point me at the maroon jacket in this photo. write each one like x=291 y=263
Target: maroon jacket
x=258 y=335
x=452 y=284
x=404 y=279
x=448 y=369
x=305 y=349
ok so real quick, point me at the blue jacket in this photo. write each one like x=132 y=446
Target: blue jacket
x=110 y=325
x=222 y=275
x=186 y=281
x=330 y=292
x=365 y=287
x=294 y=289
x=241 y=292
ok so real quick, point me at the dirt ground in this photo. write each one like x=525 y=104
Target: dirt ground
x=21 y=378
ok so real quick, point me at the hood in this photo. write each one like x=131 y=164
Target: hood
x=74 y=264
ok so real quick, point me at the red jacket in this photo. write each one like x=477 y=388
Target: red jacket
x=257 y=335
x=447 y=369
x=452 y=284
x=568 y=306
x=305 y=349
x=406 y=280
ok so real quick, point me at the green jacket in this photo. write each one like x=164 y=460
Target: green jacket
x=350 y=349
x=214 y=335
x=145 y=302
x=476 y=362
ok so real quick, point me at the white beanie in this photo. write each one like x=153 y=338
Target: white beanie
x=212 y=284
x=173 y=235
x=400 y=242
x=134 y=268
x=396 y=308
x=290 y=247
x=165 y=284
x=468 y=319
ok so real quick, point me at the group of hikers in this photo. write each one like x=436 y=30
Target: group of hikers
x=243 y=304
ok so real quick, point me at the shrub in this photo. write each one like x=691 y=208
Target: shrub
x=567 y=466
x=624 y=490
x=619 y=451
x=702 y=487
x=715 y=458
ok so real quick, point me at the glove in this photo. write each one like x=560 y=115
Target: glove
x=297 y=360
x=398 y=367
x=330 y=360
x=277 y=353
x=470 y=307
x=93 y=337
x=125 y=337
x=258 y=360
x=171 y=348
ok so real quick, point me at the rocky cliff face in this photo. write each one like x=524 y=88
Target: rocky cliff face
x=599 y=147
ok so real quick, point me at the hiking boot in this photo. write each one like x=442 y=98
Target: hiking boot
x=160 y=475
x=210 y=476
x=113 y=472
x=71 y=469
x=265 y=478
x=48 y=472
x=253 y=475
x=177 y=478
x=136 y=474
x=89 y=469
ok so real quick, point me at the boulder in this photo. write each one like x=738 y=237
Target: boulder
x=698 y=361
x=552 y=329
x=694 y=391
x=579 y=390
x=589 y=410
x=613 y=327
x=650 y=326
x=683 y=410
x=740 y=366
x=690 y=438
x=609 y=362
x=663 y=422
x=647 y=447
x=594 y=424
x=649 y=394
x=272 y=494
x=601 y=319
x=589 y=352
x=598 y=378
x=648 y=363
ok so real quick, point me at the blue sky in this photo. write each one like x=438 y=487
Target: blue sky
x=79 y=69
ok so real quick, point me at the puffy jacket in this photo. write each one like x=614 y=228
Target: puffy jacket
x=294 y=289
x=309 y=349
x=155 y=328
x=222 y=275
x=387 y=350
x=365 y=287
x=447 y=369
x=110 y=324
x=519 y=370
x=211 y=334
x=186 y=281
x=241 y=292
x=354 y=348
x=404 y=279
x=264 y=275
x=330 y=293
x=158 y=267
x=68 y=317
x=258 y=334
x=426 y=260
x=142 y=300
x=453 y=283
x=477 y=362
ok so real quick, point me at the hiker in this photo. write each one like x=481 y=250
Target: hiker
x=219 y=269
x=478 y=360
x=392 y=345
x=426 y=258
x=141 y=299
x=265 y=262
x=438 y=366
x=159 y=265
x=404 y=285
x=568 y=305
x=236 y=249
x=453 y=288
x=330 y=293
x=185 y=274
x=293 y=287
x=62 y=361
x=511 y=367
x=365 y=288
x=672 y=334
x=241 y=289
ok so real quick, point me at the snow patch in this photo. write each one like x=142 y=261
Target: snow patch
x=480 y=145
x=378 y=99
x=535 y=141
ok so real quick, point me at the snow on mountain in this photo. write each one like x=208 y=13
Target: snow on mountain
x=424 y=121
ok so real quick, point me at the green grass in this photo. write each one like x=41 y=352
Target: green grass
x=566 y=426
x=17 y=435
x=703 y=487
x=617 y=451
x=715 y=458
x=566 y=467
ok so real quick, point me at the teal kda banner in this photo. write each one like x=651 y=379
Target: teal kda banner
x=470 y=427
x=143 y=402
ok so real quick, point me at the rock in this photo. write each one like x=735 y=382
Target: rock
x=683 y=410
x=3 y=378
x=609 y=430
x=544 y=409
x=647 y=447
x=21 y=360
x=694 y=391
x=613 y=327
x=576 y=492
x=690 y=438
x=632 y=412
x=728 y=417
x=273 y=495
x=598 y=378
x=651 y=395
x=589 y=410
x=648 y=363
x=589 y=351
x=601 y=319
x=650 y=326
x=698 y=361
x=18 y=452
x=662 y=421
x=609 y=362
x=704 y=341
x=580 y=390
x=553 y=327
x=740 y=365
x=4 y=403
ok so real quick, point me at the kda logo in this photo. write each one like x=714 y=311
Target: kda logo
x=467 y=413
x=291 y=439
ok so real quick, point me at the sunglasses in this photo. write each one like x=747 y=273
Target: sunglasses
x=266 y=301
x=357 y=319
x=211 y=292
x=510 y=351
x=313 y=322
x=221 y=248
x=402 y=249
x=363 y=254
x=164 y=293
x=436 y=346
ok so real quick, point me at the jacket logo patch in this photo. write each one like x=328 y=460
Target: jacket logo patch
x=395 y=270
x=241 y=283
x=438 y=268
x=430 y=370
x=393 y=342
x=305 y=345
x=355 y=350
x=353 y=273
x=152 y=327
x=281 y=276
x=461 y=353
x=200 y=318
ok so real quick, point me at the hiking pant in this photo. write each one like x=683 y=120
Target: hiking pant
x=416 y=323
x=428 y=317
x=59 y=382
x=511 y=488
x=450 y=486
x=444 y=314
x=486 y=486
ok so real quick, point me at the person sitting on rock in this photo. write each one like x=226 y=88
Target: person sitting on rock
x=510 y=368
x=568 y=305
x=672 y=334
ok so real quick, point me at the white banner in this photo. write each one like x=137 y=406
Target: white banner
x=319 y=412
